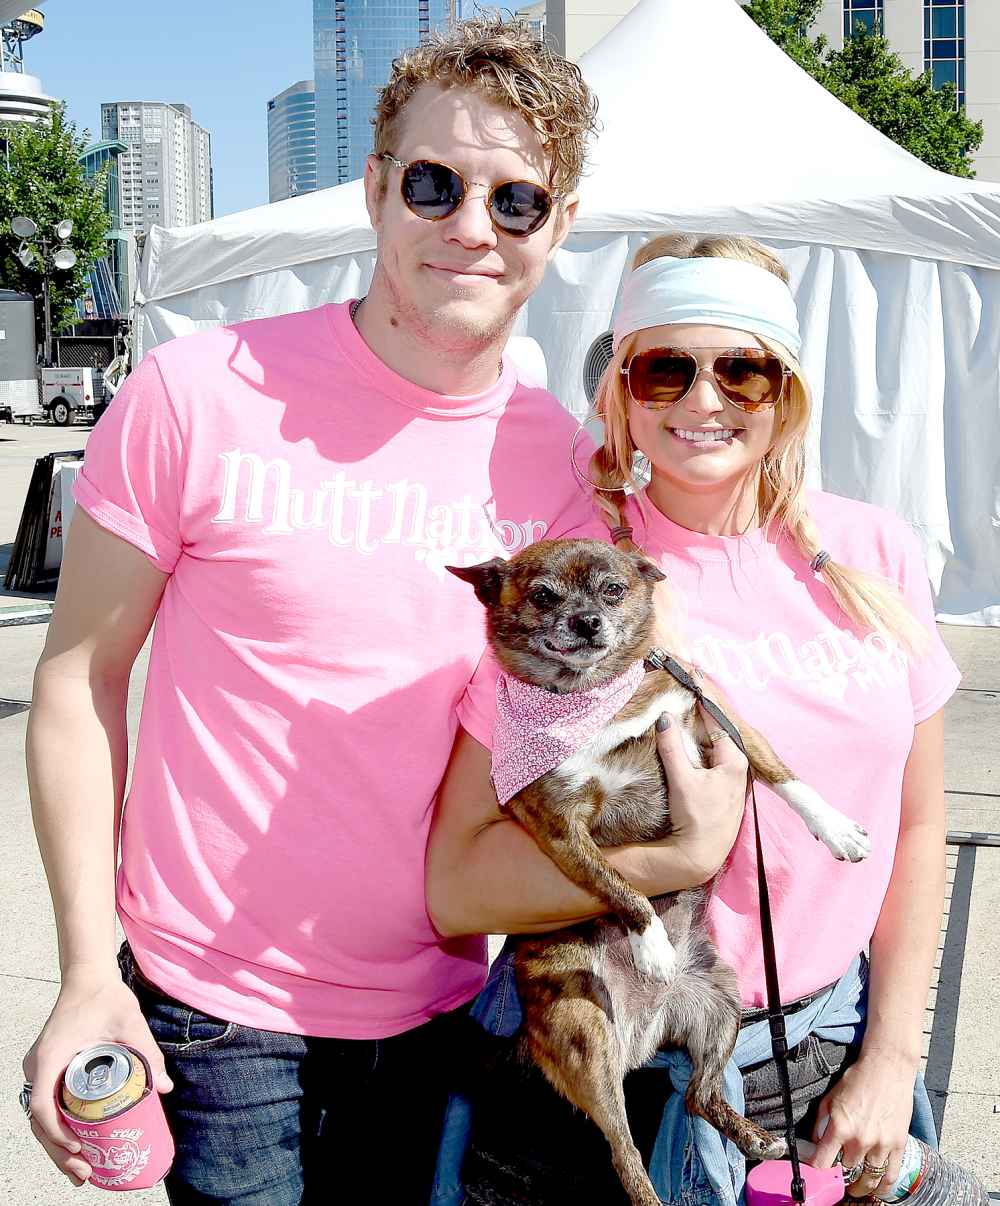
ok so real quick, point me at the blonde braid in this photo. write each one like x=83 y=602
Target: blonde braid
x=610 y=496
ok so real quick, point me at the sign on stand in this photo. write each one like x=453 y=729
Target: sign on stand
x=61 y=503
x=37 y=553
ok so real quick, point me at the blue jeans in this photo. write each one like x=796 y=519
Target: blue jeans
x=267 y=1119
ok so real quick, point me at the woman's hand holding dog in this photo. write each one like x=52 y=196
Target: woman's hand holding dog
x=706 y=803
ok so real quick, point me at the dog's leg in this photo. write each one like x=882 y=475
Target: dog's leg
x=844 y=838
x=574 y=1043
x=710 y=1042
x=570 y=846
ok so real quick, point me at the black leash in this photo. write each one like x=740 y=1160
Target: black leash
x=661 y=660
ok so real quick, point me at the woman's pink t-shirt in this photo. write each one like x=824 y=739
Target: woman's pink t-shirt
x=838 y=706
x=309 y=652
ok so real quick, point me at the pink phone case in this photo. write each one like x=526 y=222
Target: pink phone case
x=769 y=1184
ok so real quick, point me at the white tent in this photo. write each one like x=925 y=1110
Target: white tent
x=707 y=126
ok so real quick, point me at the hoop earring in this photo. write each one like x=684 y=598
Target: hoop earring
x=587 y=481
x=642 y=469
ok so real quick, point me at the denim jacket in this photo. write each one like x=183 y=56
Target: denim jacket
x=691 y=1164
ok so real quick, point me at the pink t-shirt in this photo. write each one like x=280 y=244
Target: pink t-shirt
x=309 y=652
x=838 y=706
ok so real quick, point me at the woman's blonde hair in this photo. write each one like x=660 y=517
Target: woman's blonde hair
x=781 y=500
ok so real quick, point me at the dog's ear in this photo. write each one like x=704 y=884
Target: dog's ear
x=647 y=569
x=486 y=578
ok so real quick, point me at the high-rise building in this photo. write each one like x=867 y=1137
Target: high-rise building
x=958 y=41
x=291 y=142
x=113 y=278
x=354 y=43
x=166 y=173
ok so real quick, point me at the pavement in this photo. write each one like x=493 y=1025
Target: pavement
x=962 y=1033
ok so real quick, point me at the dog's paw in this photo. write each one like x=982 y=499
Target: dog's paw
x=844 y=838
x=777 y=1149
x=653 y=951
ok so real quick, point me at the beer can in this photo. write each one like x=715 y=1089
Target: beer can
x=108 y=1100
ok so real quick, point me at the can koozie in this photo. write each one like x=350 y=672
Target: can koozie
x=133 y=1147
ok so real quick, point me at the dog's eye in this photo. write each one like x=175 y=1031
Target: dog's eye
x=614 y=592
x=543 y=597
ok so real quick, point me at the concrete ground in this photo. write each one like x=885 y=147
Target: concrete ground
x=963 y=1020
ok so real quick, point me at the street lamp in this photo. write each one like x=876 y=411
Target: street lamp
x=51 y=253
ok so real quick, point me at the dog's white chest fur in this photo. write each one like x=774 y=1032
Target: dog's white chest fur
x=589 y=762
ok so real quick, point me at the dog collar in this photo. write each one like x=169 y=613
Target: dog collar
x=536 y=729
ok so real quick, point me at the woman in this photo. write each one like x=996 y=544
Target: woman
x=814 y=615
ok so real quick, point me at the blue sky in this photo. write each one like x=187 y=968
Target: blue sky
x=224 y=59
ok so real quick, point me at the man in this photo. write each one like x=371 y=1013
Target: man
x=283 y=497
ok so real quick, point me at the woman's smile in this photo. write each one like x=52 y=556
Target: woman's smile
x=705 y=439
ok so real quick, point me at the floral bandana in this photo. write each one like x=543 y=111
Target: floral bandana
x=536 y=729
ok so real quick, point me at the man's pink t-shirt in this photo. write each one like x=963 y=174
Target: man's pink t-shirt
x=838 y=706
x=309 y=653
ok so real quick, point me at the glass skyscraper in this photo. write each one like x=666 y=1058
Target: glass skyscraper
x=111 y=283
x=354 y=43
x=291 y=142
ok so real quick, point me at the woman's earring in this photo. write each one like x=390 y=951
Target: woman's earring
x=642 y=470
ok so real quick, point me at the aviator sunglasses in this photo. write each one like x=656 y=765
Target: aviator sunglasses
x=434 y=191
x=750 y=378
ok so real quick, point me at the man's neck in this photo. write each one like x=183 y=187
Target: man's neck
x=444 y=368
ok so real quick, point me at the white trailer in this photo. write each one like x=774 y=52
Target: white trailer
x=19 y=400
x=67 y=393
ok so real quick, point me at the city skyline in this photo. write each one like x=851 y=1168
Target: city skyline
x=225 y=72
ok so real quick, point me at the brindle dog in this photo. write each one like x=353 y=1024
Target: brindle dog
x=601 y=997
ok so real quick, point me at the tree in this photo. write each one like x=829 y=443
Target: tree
x=44 y=180
x=873 y=81
x=787 y=22
x=908 y=109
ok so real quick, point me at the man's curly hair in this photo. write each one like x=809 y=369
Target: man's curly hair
x=505 y=62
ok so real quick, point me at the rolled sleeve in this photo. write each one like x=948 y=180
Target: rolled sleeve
x=130 y=482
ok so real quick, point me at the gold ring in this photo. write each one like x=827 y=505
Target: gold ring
x=876 y=1170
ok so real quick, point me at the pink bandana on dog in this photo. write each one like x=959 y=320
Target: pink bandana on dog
x=537 y=729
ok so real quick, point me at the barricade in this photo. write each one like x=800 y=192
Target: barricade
x=48 y=505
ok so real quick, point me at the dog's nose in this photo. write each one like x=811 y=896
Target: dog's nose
x=585 y=623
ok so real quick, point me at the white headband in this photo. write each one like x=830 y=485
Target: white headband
x=710 y=291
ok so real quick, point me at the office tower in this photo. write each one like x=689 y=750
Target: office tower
x=354 y=43
x=291 y=142
x=166 y=173
x=113 y=278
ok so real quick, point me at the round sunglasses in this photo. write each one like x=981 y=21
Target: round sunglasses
x=434 y=191
x=748 y=377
